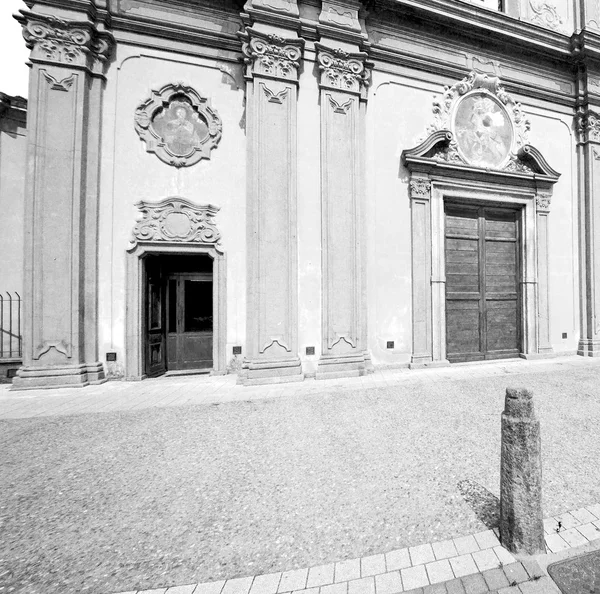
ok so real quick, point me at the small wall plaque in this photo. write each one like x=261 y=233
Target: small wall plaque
x=110 y=357
x=390 y=344
x=310 y=350
x=564 y=335
x=237 y=350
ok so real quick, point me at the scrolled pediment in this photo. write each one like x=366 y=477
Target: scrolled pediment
x=177 y=220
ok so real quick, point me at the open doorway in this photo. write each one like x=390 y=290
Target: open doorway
x=178 y=314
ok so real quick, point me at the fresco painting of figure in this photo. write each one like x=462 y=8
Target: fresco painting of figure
x=180 y=127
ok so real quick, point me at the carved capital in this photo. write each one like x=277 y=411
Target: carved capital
x=542 y=201
x=587 y=125
x=76 y=43
x=177 y=220
x=342 y=71
x=420 y=188
x=270 y=55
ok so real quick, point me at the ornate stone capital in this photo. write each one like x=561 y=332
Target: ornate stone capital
x=587 y=125
x=178 y=124
x=420 y=188
x=542 y=201
x=76 y=43
x=342 y=71
x=270 y=55
x=177 y=220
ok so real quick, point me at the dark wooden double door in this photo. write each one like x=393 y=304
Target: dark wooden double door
x=483 y=305
x=179 y=327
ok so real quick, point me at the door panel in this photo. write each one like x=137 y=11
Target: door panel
x=482 y=289
x=154 y=331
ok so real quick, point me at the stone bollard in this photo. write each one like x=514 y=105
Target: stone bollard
x=521 y=520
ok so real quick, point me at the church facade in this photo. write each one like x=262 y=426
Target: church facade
x=286 y=189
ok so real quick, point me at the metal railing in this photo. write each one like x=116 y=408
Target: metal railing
x=11 y=344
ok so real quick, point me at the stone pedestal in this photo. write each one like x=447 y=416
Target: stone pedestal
x=272 y=64
x=521 y=519
x=61 y=212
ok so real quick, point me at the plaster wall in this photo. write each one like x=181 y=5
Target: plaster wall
x=130 y=174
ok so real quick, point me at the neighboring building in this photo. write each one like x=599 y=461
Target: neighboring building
x=289 y=188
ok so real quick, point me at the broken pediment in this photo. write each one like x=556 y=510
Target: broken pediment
x=478 y=126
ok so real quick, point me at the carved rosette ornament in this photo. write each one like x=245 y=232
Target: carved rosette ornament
x=270 y=55
x=588 y=126
x=177 y=220
x=342 y=70
x=76 y=43
x=178 y=125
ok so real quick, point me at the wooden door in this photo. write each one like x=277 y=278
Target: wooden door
x=154 y=319
x=483 y=314
x=190 y=321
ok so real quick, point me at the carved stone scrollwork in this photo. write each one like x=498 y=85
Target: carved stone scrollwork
x=546 y=15
x=56 y=40
x=420 y=188
x=342 y=70
x=588 y=126
x=177 y=220
x=178 y=125
x=542 y=201
x=271 y=55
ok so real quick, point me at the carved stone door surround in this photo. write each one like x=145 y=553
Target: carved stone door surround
x=477 y=152
x=173 y=226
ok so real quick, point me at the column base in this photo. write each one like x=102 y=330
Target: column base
x=68 y=376
x=427 y=362
x=588 y=347
x=348 y=366
x=270 y=371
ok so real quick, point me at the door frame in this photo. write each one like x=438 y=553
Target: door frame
x=428 y=262
x=135 y=287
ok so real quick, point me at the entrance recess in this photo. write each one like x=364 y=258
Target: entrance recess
x=483 y=310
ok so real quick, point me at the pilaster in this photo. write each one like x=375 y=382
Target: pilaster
x=343 y=82
x=542 y=202
x=67 y=62
x=272 y=54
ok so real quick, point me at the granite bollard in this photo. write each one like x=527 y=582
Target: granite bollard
x=521 y=519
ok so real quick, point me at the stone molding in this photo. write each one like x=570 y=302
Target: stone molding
x=288 y=7
x=177 y=220
x=542 y=201
x=343 y=71
x=420 y=188
x=59 y=41
x=341 y=14
x=155 y=143
x=545 y=14
x=587 y=125
x=271 y=56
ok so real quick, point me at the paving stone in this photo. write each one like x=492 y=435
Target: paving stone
x=583 y=515
x=510 y=590
x=210 y=587
x=421 y=554
x=474 y=584
x=265 y=584
x=320 y=575
x=292 y=580
x=504 y=556
x=495 y=579
x=238 y=586
x=573 y=537
x=541 y=586
x=308 y=591
x=439 y=571
x=455 y=586
x=550 y=525
x=372 y=565
x=341 y=588
x=397 y=559
x=415 y=591
x=435 y=589
x=182 y=589
x=463 y=565
x=465 y=545
x=154 y=591
x=590 y=531
x=555 y=543
x=347 y=570
x=414 y=577
x=595 y=509
x=362 y=586
x=485 y=559
x=388 y=583
x=444 y=549
x=487 y=539
x=567 y=521
x=532 y=567
x=515 y=573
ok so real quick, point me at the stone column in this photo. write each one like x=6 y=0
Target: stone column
x=343 y=83
x=542 y=201
x=61 y=200
x=272 y=64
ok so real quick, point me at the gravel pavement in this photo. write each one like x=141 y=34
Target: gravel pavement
x=108 y=502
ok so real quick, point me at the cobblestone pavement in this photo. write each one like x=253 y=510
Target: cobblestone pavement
x=126 y=486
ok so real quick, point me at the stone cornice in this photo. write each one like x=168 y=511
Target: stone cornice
x=65 y=42
x=270 y=55
x=343 y=71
